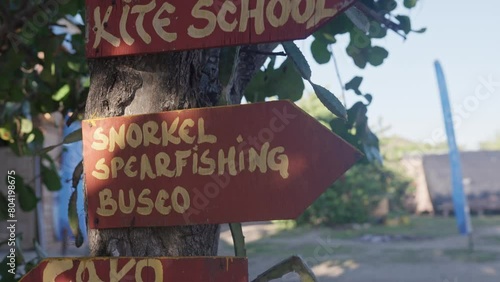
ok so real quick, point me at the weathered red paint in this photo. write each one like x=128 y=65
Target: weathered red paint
x=288 y=160
x=192 y=269
x=126 y=27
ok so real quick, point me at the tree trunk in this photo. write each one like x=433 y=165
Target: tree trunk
x=156 y=83
x=150 y=84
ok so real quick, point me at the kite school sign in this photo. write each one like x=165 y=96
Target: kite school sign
x=126 y=27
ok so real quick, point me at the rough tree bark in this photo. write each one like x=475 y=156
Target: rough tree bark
x=156 y=83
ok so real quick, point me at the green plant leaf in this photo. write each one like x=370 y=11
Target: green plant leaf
x=51 y=179
x=404 y=23
x=330 y=101
x=77 y=174
x=320 y=52
x=26 y=126
x=410 y=3
x=298 y=59
x=74 y=136
x=377 y=55
x=61 y=93
x=422 y=30
x=74 y=223
x=354 y=84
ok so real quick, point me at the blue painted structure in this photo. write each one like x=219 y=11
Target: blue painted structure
x=461 y=208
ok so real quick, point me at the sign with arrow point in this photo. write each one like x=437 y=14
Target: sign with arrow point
x=254 y=162
x=124 y=27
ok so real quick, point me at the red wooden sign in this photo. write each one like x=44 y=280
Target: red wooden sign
x=242 y=163
x=126 y=27
x=193 y=269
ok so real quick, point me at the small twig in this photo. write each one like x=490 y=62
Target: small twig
x=372 y=14
x=265 y=53
x=338 y=76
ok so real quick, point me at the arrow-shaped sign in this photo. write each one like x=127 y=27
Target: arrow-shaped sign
x=251 y=162
x=119 y=27
x=193 y=269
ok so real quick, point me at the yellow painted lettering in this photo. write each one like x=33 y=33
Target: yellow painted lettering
x=128 y=167
x=180 y=161
x=160 y=203
x=146 y=168
x=121 y=201
x=134 y=135
x=117 y=163
x=101 y=170
x=285 y=12
x=162 y=161
x=117 y=138
x=90 y=267
x=123 y=25
x=99 y=136
x=230 y=161
x=206 y=160
x=107 y=205
x=153 y=263
x=186 y=201
x=320 y=13
x=167 y=133
x=258 y=160
x=282 y=165
x=202 y=136
x=184 y=131
x=159 y=24
x=257 y=14
x=148 y=208
x=149 y=130
x=115 y=276
x=100 y=31
x=54 y=268
x=230 y=7
x=139 y=23
x=308 y=11
x=198 y=13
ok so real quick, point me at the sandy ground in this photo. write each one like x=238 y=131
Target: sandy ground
x=441 y=260
x=350 y=260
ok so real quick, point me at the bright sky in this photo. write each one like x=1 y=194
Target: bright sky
x=465 y=39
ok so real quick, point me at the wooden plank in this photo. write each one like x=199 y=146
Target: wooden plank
x=100 y=269
x=124 y=27
x=253 y=162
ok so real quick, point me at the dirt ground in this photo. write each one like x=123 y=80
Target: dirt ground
x=431 y=251
x=440 y=258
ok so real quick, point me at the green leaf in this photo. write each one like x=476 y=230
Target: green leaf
x=74 y=136
x=26 y=125
x=387 y=5
x=354 y=84
x=77 y=174
x=298 y=59
x=422 y=30
x=5 y=133
x=404 y=23
x=331 y=102
x=320 y=52
x=74 y=223
x=25 y=195
x=51 y=179
x=61 y=93
x=410 y=3
x=377 y=55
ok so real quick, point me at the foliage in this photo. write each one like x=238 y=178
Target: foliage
x=352 y=198
x=493 y=144
x=44 y=70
